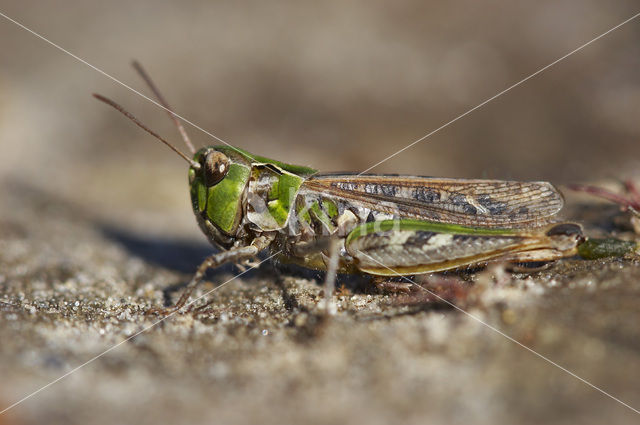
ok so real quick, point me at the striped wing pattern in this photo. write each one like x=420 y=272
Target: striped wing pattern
x=469 y=202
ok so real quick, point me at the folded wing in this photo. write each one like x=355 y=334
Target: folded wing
x=482 y=203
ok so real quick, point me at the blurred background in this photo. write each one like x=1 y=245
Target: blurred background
x=96 y=220
x=337 y=85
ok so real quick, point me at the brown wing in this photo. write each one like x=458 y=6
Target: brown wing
x=482 y=203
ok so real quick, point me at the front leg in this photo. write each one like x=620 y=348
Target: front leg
x=233 y=255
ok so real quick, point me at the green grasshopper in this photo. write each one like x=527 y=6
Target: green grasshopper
x=381 y=225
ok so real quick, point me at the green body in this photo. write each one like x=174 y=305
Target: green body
x=385 y=224
x=378 y=224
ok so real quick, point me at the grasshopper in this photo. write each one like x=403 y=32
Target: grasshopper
x=380 y=225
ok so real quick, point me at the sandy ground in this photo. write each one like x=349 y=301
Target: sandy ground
x=74 y=286
x=95 y=222
x=264 y=351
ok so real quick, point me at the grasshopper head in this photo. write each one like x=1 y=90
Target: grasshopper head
x=217 y=181
x=217 y=185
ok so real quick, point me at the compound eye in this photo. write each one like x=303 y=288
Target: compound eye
x=216 y=166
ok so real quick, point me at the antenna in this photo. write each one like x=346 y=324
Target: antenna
x=145 y=128
x=164 y=103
